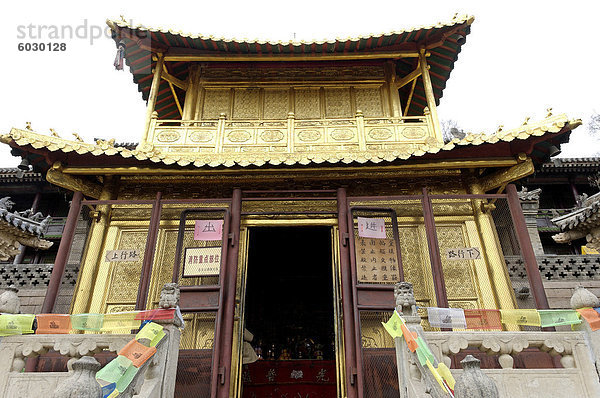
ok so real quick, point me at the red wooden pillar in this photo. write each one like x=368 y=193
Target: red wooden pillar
x=434 y=252
x=229 y=286
x=531 y=267
x=63 y=253
x=347 y=305
x=144 y=288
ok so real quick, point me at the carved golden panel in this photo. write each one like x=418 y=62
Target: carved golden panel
x=337 y=102
x=368 y=100
x=168 y=136
x=125 y=276
x=373 y=335
x=343 y=134
x=245 y=103
x=216 y=101
x=309 y=135
x=276 y=103
x=414 y=132
x=380 y=134
x=307 y=103
x=272 y=135
x=415 y=262
x=239 y=136
x=458 y=274
x=201 y=136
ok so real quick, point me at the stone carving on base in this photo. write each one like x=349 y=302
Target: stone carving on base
x=473 y=383
x=82 y=383
x=10 y=303
x=169 y=296
x=583 y=298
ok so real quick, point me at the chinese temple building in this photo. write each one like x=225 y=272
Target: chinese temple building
x=286 y=187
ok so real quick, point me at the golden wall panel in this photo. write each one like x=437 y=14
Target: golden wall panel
x=307 y=103
x=338 y=102
x=125 y=276
x=415 y=262
x=368 y=100
x=276 y=103
x=216 y=101
x=458 y=274
x=246 y=103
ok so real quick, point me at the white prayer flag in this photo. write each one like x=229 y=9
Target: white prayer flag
x=371 y=228
x=446 y=318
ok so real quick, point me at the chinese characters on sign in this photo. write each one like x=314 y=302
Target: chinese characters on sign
x=468 y=253
x=208 y=230
x=202 y=261
x=371 y=228
x=122 y=255
x=376 y=261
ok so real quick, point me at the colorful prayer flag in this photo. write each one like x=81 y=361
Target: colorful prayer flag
x=371 y=228
x=520 y=317
x=157 y=314
x=120 y=321
x=410 y=338
x=392 y=326
x=107 y=388
x=12 y=324
x=137 y=353
x=589 y=314
x=436 y=375
x=559 y=317
x=424 y=354
x=53 y=324
x=483 y=319
x=446 y=375
x=446 y=317
x=151 y=331
x=208 y=230
x=91 y=322
x=114 y=370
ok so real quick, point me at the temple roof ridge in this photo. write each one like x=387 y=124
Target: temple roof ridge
x=122 y=23
x=553 y=124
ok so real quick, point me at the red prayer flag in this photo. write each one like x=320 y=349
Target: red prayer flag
x=483 y=319
x=160 y=313
x=410 y=338
x=591 y=316
x=137 y=353
x=53 y=324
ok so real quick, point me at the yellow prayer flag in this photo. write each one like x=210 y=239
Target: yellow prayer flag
x=151 y=331
x=587 y=250
x=392 y=326
x=114 y=394
x=120 y=322
x=11 y=324
x=436 y=375
x=521 y=317
x=446 y=375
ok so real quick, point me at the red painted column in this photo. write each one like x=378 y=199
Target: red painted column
x=63 y=253
x=347 y=305
x=229 y=284
x=144 y=288
x=531 y=267
x=434 y=252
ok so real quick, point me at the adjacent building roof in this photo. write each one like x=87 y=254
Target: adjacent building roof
x=572 y=165
x=535 y=137
x=582 y=222
x=442 y=40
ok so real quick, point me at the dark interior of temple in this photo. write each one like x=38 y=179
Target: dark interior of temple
x=289 y=293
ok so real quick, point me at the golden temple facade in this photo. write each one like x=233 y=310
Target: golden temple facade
x=289 y=145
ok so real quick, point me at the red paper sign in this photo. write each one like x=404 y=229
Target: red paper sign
x=208 y=230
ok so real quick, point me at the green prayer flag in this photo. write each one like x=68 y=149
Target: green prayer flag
x=559 y=317
x=151 y=331
x=11 y=324
x=423 y=352
x=392 y=326
x=114 y=370
x=92 y=322
x=126 y=379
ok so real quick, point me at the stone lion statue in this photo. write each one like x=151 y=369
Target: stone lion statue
x=169 y=296
x=405 y=298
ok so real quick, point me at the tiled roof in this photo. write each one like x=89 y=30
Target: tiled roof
x=587 y=216
x=443 y=42
x=23 y=138
x=561 y=165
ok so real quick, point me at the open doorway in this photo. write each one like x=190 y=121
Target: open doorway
x=290 y=313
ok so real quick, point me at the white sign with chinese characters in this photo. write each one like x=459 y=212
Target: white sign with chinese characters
x=202 y=261
x=122 y=255
x=371 y=228
x=467 y=253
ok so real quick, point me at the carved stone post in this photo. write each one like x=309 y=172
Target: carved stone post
x=82 y=383
x=583 y=298
x=473 y=383
x=10 y=303
x=530 y=203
